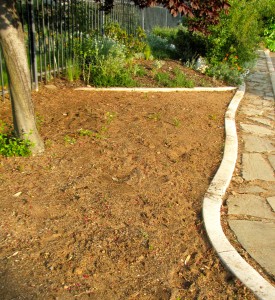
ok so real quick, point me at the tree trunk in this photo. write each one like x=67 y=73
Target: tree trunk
x=14 y=51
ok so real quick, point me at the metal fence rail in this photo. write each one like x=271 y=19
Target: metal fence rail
x=53 y=27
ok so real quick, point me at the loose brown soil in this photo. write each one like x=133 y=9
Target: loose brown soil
x=116 y=214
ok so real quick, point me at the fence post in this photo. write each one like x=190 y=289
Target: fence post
x=33 y=57
x=142 y=18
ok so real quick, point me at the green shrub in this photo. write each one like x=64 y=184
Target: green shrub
x=133 y=43
x=239 y=32
x=161 y=48
x=222 y=71
x=107 y=61
x=190 y=45
x=269 y=35
x=12 y=146
x=104 y=62
x=167 y=33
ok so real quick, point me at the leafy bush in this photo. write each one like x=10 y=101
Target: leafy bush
x=161 y=48
x=269 y=35
x=237 y=34
x=107 y=60
x=12 y=146
x=104 y=62
x=166 y=33
x=222 y=71
x=190 y=45
x=133 y=43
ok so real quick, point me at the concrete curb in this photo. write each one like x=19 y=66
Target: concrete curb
x=212 y=203
x=270 y=69
x=145 y=90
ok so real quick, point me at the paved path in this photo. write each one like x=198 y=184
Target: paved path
x=251 y=206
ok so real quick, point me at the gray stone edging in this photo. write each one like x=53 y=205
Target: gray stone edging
x=141 y=89
x=212 y=203
x=270 y=69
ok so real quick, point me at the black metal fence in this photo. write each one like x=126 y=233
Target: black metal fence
x=52 y=27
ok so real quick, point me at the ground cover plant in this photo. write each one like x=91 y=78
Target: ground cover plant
x=10 y=145
x=112 y=209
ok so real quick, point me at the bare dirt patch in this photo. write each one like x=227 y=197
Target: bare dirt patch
x=112 y=209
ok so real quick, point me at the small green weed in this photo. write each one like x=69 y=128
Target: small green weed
x=109 y=116
x=101 y=133
x=12 y=146
x=69 y=140
x=176 y=122
x=85 y=132
x=158 y=64
x=212 y=117
x=39 y=121
x=154 y=116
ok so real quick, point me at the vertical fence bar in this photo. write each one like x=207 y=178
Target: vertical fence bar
x=39 y=34
x=54 y=40
x=32 y=43
x=44 y=42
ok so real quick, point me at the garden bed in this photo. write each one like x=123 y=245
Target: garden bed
x=112 y=209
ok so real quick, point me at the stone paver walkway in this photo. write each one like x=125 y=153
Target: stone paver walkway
x=251 y=207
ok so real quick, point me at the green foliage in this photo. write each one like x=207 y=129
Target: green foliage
x=101 y=133
x=190 y=45
x=161 y=47
x=167 y=33
x=107 y=61
x=269 y=35
x=73 y=70
x=237 y=34
x=223 y=71
x=104 y=62
x=232 y=44
x=179 y=79
x=133 y=43
x=177 y=43
x=12 y=146
x=69 y=140
x=163 y=78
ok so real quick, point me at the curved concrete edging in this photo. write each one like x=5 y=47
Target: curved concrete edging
x=270 y=69
x=212 y=203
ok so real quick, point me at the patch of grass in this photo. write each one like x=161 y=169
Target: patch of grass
x=181 y=80
x=73 y=70
x=163 y=79
x=11 y=145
